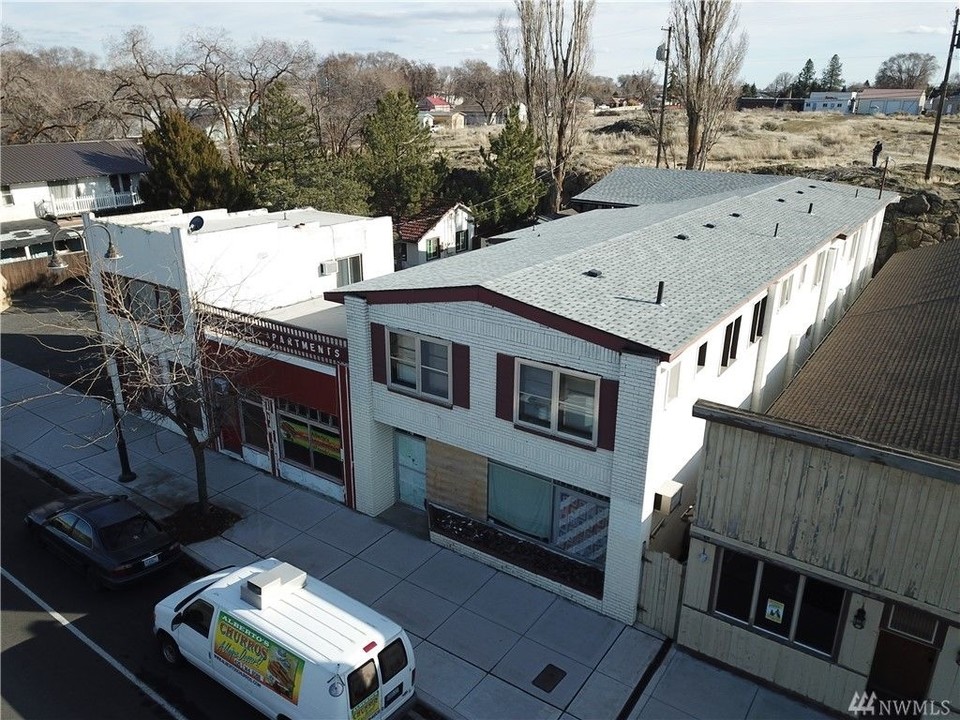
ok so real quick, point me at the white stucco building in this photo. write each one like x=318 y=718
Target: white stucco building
x=832 y=102
x=535 y=396
x=263 y=274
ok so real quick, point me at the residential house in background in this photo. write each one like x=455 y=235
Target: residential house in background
x=832 y=102
x=54 y=180
x=875 y=101
x=535 y=396
x=439 y=230
x=436 y=112
x=257 y=279
x=826 y=533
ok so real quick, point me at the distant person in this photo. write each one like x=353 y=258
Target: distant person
x=877 y=149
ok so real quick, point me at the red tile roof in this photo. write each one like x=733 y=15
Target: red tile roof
x=432 y=102
x=414 y=228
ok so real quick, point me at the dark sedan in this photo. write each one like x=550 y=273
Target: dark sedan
x=107 y=536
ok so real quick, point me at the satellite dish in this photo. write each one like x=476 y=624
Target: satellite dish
x=195 y=224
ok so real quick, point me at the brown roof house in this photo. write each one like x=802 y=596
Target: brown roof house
x=439 y=230
x=824 y=543
x=68 y=179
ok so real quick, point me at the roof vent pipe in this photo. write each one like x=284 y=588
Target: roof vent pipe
x=810 y=209
x=776 y=228
x=660 y=292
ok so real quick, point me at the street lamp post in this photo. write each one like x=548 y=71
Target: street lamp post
x=57 y=264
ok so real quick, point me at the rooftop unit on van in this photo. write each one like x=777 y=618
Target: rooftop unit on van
x=262 y=589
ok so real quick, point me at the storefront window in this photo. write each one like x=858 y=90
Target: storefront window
x=800 y=610
x=572 y=521
x=310 y=438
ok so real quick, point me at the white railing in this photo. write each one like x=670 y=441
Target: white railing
x=91 y=203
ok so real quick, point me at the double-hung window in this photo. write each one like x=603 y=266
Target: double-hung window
x=558 y=401
x=420 y=365
x=778 y=601
x=432 y=248
x=731 y=341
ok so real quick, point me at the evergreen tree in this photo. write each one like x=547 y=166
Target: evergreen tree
x=398 y=158
x=281 y=152
x=806 y=80
x=832 y=78
x=509 y=174
x=188 y=171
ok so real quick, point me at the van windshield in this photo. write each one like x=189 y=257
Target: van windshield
x=362 y=683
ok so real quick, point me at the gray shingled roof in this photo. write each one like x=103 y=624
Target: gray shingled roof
x=889 y=372
x=640 y=186
x=43 y=162
x=707 y=275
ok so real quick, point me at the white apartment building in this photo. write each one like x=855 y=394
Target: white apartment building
x=535 y=396
x=265 y=273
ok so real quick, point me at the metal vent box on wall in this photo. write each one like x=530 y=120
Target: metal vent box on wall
x=668 y=498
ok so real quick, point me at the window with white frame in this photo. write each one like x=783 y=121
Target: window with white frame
x=701 y=357
x=432 y=247
x=420 y=365
x=310 y=438
x=570 y=520
x=731 y=339
x=7 y=195
x=759 y=317
x=462 y=241
x=786 y=291
x=820 y=267
x=558 y=401
x=349 y=270
x=803 y=275
x=776 y=600
x=673 y=382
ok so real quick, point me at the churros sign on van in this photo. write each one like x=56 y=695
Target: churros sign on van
x=258 y=657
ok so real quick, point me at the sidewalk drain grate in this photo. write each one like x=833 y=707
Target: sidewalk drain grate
x=549 y=678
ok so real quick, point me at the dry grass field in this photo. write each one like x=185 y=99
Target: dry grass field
x=758 y=140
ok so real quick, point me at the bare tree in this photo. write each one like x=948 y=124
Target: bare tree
x=476 y=80
x=341 y=92
x=147 y=81
x=709 y=56
x=53 y=95
x=906 y=70
x=175 y=359
x=642 y=86
x=550 y=54
x=781 y=84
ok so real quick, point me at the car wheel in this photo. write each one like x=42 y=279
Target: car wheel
x=93 y=579
x=168 y=649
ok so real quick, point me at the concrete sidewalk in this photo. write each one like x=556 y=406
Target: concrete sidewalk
x=482 y=638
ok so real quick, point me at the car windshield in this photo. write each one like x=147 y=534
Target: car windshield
x=131 y=531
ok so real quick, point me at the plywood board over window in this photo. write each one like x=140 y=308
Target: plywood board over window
x=457 y=479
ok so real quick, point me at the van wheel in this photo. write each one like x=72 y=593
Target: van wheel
x=168 y=649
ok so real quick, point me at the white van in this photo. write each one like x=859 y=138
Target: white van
x=288 y=644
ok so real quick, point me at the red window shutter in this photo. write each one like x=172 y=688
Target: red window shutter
x=607 y=420
x=505 y=368
x=378 y=350
x=461 y=375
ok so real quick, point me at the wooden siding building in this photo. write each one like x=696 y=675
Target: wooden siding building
x=825 y=542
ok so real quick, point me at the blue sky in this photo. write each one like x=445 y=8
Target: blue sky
x=782 y=34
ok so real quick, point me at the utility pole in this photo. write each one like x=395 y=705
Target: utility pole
x=664 y=51
x=954 y=42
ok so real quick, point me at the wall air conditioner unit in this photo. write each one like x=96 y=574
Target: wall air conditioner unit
x=328 y=268
x=667 y=499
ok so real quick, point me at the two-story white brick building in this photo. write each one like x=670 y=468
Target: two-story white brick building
x=259 y=277
x=536 y=395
